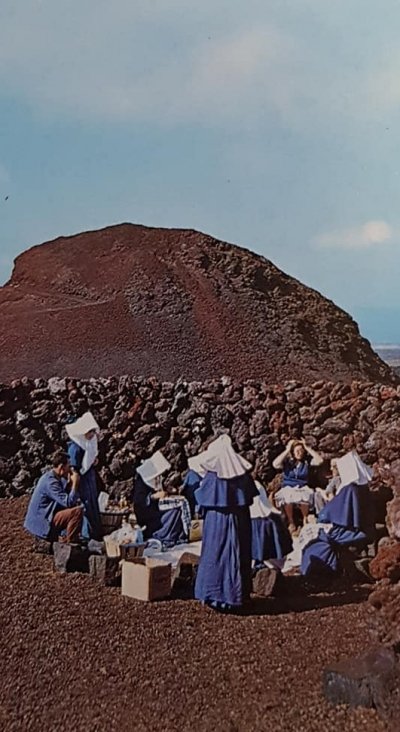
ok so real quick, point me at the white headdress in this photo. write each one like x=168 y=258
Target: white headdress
x=77 y=431
x=221 y=458
x=262 y=507
x=152 y=468
x=352 y=470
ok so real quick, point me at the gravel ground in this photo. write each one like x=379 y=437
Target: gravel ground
x=78 y=656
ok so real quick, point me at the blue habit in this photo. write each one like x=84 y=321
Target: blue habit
x=49 y=496
x=190 y=485
x=351 y=515
x=88 y=494
x=166 y=526
x=295 y=473
x=270 y=538
x=224 y=572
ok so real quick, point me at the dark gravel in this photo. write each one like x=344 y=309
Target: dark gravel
x=76 y=656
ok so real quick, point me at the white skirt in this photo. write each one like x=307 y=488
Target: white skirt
x=296 y=494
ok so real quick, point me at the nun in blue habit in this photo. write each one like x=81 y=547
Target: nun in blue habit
x=270 y=538
x=151 y=504
x=82 y=451
x=347 y=520
x=192 y=482
x=225 y=494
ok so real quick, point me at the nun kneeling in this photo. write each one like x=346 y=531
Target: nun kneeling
x=164 y=517
x=225 y=494
x=347 y=520
x=82 y=451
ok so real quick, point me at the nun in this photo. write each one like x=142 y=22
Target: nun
x=225 y=494
x=163 y=518
x=192 y=482
x=270 y=538
x=347 y=520
x=82 y=451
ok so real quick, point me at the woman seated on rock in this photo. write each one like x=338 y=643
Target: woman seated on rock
x=270 y=538
x=347 y=520
x=82 y=452
x=164 y=517
x=227 y=490
x=295 y=463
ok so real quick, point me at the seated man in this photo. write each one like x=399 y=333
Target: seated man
x=52 y=509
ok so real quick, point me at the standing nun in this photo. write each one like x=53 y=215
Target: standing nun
x=225 y=494
x=83 y=451
x=165 y=519
x=347 y=520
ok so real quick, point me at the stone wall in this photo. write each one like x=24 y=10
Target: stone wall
x=139 y=416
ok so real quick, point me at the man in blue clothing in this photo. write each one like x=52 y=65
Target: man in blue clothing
x=52 y=508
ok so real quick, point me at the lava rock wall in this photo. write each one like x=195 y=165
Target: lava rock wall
x=139 y=416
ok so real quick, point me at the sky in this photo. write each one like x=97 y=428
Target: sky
x=272 y=124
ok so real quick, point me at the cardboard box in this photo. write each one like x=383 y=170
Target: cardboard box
x=146 y=578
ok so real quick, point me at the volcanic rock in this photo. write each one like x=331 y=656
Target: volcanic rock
x=170 y=303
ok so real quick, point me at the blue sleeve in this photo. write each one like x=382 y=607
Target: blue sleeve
x=75 y=454
x=57 y=493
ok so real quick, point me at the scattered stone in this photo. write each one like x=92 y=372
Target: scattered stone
x=365 y=681
x=70 y=557
x=105 y=570
x=265 y=582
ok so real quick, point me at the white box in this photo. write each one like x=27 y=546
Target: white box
x=146 y=579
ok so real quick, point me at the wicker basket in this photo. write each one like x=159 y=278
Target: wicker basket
x=111 y=521
x=131 y=551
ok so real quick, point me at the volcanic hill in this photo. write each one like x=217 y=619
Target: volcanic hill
x=144 y=301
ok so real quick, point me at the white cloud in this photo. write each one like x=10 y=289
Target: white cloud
x=369 y=235
x=168 y=61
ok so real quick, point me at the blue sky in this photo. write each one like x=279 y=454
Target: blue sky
x=273 y=124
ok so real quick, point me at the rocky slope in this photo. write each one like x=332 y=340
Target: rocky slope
x=170 y=303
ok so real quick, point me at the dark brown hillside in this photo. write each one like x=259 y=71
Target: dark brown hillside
x=170 y=303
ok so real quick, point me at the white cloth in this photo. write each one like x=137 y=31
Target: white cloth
x=262 y=506
x=165 y=504
x=196 y=463
x=310 y=533
x=289 y=494
x=221 y=458
x=352 y=470
x=77 y=431
x=152 y=468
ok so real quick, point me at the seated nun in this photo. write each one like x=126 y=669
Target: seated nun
x=225 y=494
x=270 y=538
x=83 y=450
x=347 y=520
x=295 y=463
x=166 y=518
x=192 y=481
x=53 y=508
